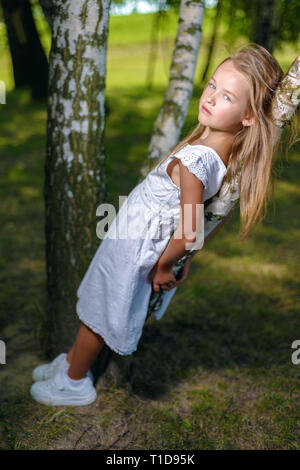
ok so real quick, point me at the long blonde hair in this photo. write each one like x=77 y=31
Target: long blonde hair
x=253 y=147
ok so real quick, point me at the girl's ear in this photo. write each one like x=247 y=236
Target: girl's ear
x=249 y=120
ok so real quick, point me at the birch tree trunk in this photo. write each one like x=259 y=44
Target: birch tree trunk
x=30 y=65
x=74 y=168
x=171 y=117
x=266 y=17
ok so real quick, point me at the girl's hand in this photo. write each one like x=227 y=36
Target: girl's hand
x=185 y=272
x=161 y=278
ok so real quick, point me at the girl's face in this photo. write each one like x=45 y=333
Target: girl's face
x=226 y=97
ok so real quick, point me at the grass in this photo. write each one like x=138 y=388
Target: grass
x=216 y=371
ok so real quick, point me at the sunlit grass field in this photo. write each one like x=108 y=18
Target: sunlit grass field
x=215 y=372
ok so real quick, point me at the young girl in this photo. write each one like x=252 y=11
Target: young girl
x=235 y=124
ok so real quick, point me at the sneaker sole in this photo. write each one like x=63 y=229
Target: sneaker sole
x=74 y=402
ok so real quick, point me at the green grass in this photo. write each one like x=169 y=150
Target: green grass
x=215 y=372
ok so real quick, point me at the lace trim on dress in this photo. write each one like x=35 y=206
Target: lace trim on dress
x=197 y=164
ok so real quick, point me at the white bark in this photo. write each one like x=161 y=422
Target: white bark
x=74 y=169
x=288 y=96
x=173 y=111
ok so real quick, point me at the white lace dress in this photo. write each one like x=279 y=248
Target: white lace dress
x=113 y=295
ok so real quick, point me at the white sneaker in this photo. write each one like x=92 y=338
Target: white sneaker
x=45 y=371
x=59 y=391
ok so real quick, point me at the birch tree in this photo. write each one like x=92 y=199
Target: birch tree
x=266 y=19
x=175 y=104
x=74 y=169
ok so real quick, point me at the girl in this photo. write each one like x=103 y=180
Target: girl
x=235 y=124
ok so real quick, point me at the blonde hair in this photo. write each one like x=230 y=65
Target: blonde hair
x=253 y=147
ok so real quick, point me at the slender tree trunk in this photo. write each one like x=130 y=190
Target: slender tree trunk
x=74 y=170
x=266 y=20
x=213 y=39
x=156 y=20
x=48 y=10
x=170 y=119
x=30 y=65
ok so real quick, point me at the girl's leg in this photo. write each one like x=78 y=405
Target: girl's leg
x=84 y=352
x=70 y=354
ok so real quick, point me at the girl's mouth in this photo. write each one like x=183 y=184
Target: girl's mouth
x=205 y=110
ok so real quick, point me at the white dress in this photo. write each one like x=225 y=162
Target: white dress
x=113 y=295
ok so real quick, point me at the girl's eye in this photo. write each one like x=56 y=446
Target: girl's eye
x=210 y=83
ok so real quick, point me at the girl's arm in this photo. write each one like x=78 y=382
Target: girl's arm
x=191 y=195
